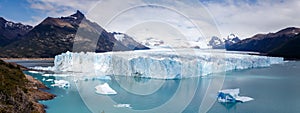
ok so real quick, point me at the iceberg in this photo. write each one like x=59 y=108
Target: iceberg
x=159 y=64
x=122 y=106
x=232 y=95
x=105 y=89
x=61 y=84
x=49 y=80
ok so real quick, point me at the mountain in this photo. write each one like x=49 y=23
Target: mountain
x=217 y=43
x=128 y=41
x=265 y=43
x=231 y=39
x=10 y=31
x=289 y=50
x=57 y=35
x=152 y=42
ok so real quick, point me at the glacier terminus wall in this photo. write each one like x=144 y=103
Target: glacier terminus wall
x=160 y=64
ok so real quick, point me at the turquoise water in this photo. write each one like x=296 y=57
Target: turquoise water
x=275 y=90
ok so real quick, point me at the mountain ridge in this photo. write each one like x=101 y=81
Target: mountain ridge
x=271 y=44
x=11 y=31
x=57 y=35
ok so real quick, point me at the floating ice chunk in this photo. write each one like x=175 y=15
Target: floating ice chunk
x=49 y=68
x=49 y=80
x=105 y=89
x=122 y=106
x=61 y=84
x=35 y=72
x=103 y=78
x=56 y=75
x=232 y=95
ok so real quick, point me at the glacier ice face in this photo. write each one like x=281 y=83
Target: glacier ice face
x=161 y=64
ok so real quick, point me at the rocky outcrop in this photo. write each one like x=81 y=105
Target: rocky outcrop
x=20 y=93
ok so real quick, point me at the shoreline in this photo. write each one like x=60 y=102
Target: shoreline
x=35 y=88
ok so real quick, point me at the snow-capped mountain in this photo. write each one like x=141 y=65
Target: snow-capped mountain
x=283 y=43
x=231 y=39
x=127 y=41
x=152 y=42
x=11 y=31
x=55 y=35
x=217 y=43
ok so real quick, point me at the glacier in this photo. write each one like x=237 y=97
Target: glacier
x=160 y=63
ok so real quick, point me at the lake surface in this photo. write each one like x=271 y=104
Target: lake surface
x=274 y=89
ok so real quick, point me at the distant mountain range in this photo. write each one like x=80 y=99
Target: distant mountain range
x=57 y=35
x=284 y=43
x=10 y=31
x=217 y=43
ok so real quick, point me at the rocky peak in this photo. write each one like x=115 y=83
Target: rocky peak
x=78 y=15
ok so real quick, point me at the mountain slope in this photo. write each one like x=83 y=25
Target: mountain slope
x=265 y=43
x=57 y=35
x=10 y=31
x=289 y=50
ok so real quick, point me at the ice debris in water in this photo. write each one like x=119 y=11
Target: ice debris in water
x=105 y=89
x=122 y=106
x=61 y=84
x=232 y=95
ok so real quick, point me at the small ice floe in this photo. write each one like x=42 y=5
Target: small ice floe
x=61 y=84
x=105 y=89
x=103 y=78
x=56 y=75
x=232 y=95
x=35 y=72
x=122 y=106
x=43 y=68
x=49 y=80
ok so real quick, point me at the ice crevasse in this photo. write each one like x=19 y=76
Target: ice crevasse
x=164 y=64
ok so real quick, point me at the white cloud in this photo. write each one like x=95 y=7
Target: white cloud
x=247 y=19
x=233 y=16
x=57 y=8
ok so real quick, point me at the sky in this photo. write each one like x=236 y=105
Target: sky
x=244 y=18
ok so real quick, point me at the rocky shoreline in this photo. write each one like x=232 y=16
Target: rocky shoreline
x=20 y=93
x=36 y=93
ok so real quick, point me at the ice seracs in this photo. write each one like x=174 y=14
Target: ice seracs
x=105 y=89
x=232 y=95
x=160 y=64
